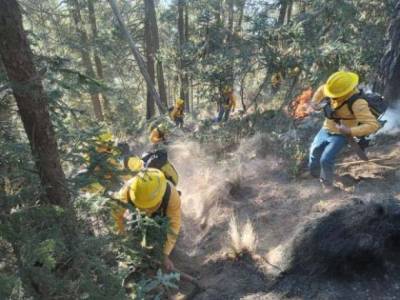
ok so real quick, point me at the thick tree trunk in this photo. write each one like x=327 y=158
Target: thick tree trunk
x=85 y=54
x=242 y=4
x=184 y=80
x=187 y=80
x=138 y=56
x=289 y=10
x=32 y=102
x=229 y=40
x=150 y=55
x=97 y=60
x=160 y=69
x=389 y=74
x=282 y=12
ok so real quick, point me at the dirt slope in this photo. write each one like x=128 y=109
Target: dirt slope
x=253 y=185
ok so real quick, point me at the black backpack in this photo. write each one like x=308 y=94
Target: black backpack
x=376 y=103
x=155 y=159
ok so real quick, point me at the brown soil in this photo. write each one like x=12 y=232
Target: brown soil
x=253 y=185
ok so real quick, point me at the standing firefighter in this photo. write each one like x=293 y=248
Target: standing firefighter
x=347 y=115
x=177 y=113
x=226 y=105
x=150 y=192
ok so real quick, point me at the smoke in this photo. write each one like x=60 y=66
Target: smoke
x=392 y=118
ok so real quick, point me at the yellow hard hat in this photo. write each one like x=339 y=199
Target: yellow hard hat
x=340 y=84
x=135 y=164
x=227 y=89
x=105 y=137
x=179 y=101
x=147 y=188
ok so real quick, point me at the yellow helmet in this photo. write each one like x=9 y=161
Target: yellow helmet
x=179 y=102
x=135 y=164
x=105 y=137
x=227 y=89
x=147 y=188
x=340 y=84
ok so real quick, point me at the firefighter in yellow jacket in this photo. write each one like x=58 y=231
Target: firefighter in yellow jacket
x=332 y=137
x=226 y=105
x=150 y=192
x=177 y=112
x=158 y=134
x=101 y=165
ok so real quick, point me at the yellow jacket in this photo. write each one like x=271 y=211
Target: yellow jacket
x=177 y=112
x=362 y=123
x=173 y=214
x=156 y=136
x=231 y=102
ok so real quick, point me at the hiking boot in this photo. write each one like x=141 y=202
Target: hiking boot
x=328 y=188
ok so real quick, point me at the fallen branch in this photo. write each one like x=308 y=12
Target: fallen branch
x=350 y=163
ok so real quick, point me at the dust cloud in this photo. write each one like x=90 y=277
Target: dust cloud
x=392 y=118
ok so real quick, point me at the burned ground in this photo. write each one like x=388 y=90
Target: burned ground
x=304 y=237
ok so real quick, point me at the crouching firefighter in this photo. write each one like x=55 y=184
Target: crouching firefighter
x=348 y=114
x=158 y=135
x=151 y=193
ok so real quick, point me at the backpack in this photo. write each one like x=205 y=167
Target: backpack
x=158 y=159
x=376 y=103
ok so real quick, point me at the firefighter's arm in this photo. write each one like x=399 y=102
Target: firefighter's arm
x=366 y=120
x=317 y=98
x=174 y=216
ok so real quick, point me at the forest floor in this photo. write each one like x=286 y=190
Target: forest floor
x=252 y=183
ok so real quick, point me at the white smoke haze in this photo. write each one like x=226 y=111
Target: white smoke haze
x=392 y=118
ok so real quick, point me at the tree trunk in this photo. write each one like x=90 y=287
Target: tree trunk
x=184 y=80
x=150 y=55
x=242 y=4
x=188 y=107
x=32 y=103
x=97 y=60
x=302 y=6
x=289 y=10
x=389 y=74
x=282 y=12
x=160 y=68
x=138 y=56
x=85 y=54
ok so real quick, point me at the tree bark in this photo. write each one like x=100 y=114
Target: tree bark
x=85 y=54
x=150 y=55
x=32 y=102
x=159 y=64
x=184 y=80
x=97 y=60
x=138 y=57
x=282 y=12
x=242 y=4
x=389 y=73
x=289 y=10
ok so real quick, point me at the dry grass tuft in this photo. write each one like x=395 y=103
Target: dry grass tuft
x=244 y=241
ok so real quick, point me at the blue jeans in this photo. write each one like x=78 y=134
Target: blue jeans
x=323 y=152
x=223 y=114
